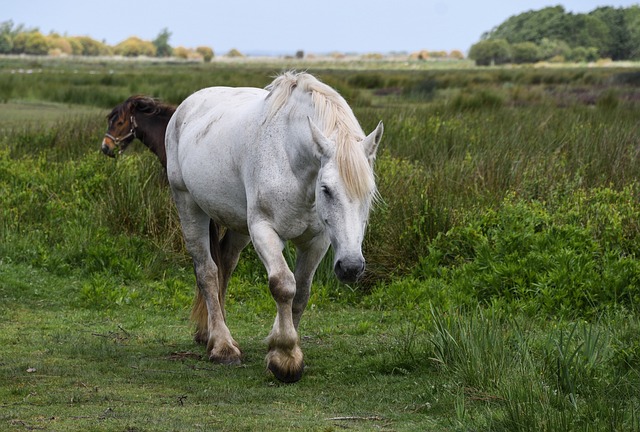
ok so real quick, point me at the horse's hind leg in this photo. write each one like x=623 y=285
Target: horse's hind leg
x=285 y=357
x=231 y=245
x=195 y=227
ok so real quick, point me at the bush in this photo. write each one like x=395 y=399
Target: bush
x=574 y=255
x=234 y=53
x=525 y=52
x=482 y=99
x=135 y=47
x=488 y=52
x=206 y=53
x=89 y=47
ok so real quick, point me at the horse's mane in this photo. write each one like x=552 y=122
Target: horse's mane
x=144 y=104
x=336 y=120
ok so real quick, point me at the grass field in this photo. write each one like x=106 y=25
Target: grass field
x=503 y=277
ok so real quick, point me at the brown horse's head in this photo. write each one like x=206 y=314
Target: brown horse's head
x=121 y=128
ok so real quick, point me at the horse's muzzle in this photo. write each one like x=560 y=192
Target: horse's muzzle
x=349 y=270
x=107 y=150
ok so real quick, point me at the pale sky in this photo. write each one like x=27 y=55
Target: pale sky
x=285 y=26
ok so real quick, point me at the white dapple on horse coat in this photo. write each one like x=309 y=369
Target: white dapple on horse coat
x=289 y=163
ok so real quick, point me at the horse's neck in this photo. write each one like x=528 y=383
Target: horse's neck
x=151 y=132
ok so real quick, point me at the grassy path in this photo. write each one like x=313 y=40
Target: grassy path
x=65 y=367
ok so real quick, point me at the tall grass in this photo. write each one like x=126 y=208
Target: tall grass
x=473 y=150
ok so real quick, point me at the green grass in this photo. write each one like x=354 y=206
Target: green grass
x=73 y=368
x=19 y=114
x=503 y=277
x=73 y=363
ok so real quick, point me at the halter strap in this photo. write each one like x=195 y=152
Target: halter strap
x=132 y=133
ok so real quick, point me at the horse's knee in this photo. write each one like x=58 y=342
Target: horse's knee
x=282 y=287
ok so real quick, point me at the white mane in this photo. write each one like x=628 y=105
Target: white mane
x=337 y=122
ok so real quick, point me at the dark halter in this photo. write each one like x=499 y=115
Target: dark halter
x=119 y=140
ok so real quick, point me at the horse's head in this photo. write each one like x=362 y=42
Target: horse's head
x=345 y=189
x=121 y=129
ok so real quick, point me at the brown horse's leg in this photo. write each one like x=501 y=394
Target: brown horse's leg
x=221 y=346
x=231 y=245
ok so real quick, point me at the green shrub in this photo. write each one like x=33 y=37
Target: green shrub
x=575 y=255
x=483 y=99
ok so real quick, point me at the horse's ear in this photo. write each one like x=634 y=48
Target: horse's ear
x=372 y=141
x=323 y=147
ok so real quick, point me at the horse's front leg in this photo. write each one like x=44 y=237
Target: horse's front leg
x=284 y=358
x=221 y=346
x=308 y=257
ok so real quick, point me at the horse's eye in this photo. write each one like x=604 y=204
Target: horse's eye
x=326 y=191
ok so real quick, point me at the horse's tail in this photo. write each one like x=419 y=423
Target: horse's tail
x=214 y=244
x=199 y=313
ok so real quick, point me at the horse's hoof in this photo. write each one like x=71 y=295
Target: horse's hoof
x=231 y=356
x=227 y=361
x=286 y=367
x=287 y=377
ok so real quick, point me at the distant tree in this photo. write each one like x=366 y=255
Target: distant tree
x=632 y=19
x=525 y=52
x=161 y=42
x=456 y=54
x=587 y=31
x=553 y=49
x=134 y=47
x=419 y=55
x=6 y=37
x=90 y=47
x=59 y=45
x=234 y=53
x=20 y=43
x=492 y=51
x=438 y=54
x=35 y=43
x=613 y=32
x=76 y=46
x=618 y=45
x=181 y=52
x=582 y=54
x=206 y=53
x=6 y=43
x=532 y=26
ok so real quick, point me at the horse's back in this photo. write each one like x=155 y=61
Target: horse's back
x=206 y=107
x=211 y=122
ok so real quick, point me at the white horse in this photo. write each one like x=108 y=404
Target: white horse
x=286 y=163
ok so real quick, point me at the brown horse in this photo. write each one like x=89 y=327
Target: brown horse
x=138 y=117
x=146 y=119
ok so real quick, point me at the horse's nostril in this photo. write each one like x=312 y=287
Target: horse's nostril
x=349 y=270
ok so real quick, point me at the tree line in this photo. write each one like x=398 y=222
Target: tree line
x=553 y=34
x=17 y=39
